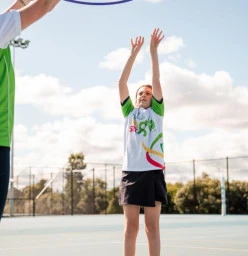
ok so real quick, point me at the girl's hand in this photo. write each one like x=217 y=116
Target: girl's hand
x=156 y=38
x=137 y=44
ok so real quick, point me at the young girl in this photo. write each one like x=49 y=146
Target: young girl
x=142 y=182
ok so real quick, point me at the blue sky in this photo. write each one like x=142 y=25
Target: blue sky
x=214 y=33
x=67 y=98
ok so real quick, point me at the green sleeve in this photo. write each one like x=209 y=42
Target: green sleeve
x=158 y=106
x=127 y=107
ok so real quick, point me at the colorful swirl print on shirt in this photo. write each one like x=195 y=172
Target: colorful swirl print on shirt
x=151 y=151
x=140 y=128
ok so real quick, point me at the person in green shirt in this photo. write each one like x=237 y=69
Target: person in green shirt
x=143 y=182
x=20 y=15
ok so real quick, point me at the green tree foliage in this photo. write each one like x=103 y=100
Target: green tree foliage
x=113 y=199
x=19 y=204
x=33 y=190
x=93 y=200
x=74 y=182
x=37 y=188
x=208 y=197
x=101 y=202
x=204 y=198
x=86 y=197
x=238 y=197
x=49 y=203
x=76 y=162
x=172 y=189
x=89 y=199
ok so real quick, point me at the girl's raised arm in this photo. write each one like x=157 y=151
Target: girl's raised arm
x=156 y=38
x=123 y=88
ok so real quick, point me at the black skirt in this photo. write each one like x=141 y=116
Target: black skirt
x=143 y=188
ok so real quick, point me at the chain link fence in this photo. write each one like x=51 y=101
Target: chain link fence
x=94 y=190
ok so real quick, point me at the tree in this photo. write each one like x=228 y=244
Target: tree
x=74 y=181
x=92 y=197
x=208 y=198
x=172 y=189
x=113 y=199
x=33 y=190
x=76 y=162
x=238 y=197
x=18 y=204
x=48 y=204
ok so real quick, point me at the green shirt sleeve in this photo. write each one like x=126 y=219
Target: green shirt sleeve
x=158 y=106
x=127 y=107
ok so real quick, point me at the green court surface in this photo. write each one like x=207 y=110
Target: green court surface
x=101 y=235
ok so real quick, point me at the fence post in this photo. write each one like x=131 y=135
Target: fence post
x=114 y=180
x=63 y=192
x=51 y=198
x=223 y=197
x=34 y=206
x=195 y=198
x=227 y=182
x=93 y=190
x=71 y=191
x=30 y=191
x=106 y=209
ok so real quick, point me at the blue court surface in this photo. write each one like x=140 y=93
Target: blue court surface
x=101 y=235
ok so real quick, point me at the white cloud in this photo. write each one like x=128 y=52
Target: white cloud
x=214 y=147
x=200 y=101
x=116 y=60
x=193 y=101
x=51 y=143
x=214 y=144
x=55 y=99
x=171 y=45
x=91 y=121
x=35 y=89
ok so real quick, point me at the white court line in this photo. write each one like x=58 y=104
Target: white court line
x=203 y=241
x=207 y=248
x=118 y=242
x=56 y=246
x=200 y=247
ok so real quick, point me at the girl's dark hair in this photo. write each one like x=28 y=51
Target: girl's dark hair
x=145 y=85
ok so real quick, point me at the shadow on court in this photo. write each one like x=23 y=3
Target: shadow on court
x=101 y=235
